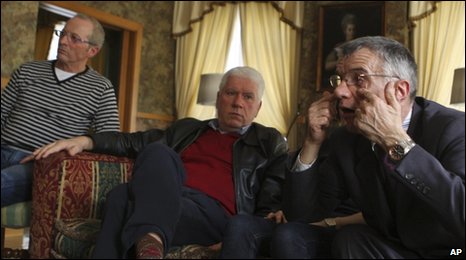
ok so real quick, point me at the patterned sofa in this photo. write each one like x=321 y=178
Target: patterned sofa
x=68 y=194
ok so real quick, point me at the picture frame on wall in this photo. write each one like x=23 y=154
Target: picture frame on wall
x=339 y=23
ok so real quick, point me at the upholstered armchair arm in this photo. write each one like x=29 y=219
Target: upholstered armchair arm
x=70 y=187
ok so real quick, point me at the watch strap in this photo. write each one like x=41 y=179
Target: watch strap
x=400 y=149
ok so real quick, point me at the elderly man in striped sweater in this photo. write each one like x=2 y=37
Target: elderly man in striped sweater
x=49 y=100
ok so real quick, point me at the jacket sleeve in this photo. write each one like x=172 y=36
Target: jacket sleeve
x=271 y=187
x=125 y=144
x=433 y=172
x=315 y=193
x=299 y=191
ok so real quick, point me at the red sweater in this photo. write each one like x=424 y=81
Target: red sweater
x=208 y=164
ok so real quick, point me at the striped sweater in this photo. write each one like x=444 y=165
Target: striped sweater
x=38 y=109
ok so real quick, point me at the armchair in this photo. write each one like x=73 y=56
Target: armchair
x=67 y=197
x=70 y=187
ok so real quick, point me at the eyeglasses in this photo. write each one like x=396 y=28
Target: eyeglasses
x=354 y=78
x=72 y=36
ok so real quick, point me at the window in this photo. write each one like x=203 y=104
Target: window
x=52 y=54
x=235 y=54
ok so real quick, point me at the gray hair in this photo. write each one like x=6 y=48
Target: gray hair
x=97 y=36
x=396 y=59
x=245 y=72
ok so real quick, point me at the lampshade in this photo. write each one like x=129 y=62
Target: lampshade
x=457 y=91
x=208 y=88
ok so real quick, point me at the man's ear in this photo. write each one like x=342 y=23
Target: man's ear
x=260 y=105
x=93 y=50
x=402 y=88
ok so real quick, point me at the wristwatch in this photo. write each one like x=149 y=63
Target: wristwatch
x=330 y=222
x=400 y=149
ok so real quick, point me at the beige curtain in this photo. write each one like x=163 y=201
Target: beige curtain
x=438 y=46
x=271 y=46
x=188 y=12
x=203 y=50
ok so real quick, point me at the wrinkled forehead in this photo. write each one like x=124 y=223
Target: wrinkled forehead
x=79 y=26
x=360 y=60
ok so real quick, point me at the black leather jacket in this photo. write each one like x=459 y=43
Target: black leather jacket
x=259 y=158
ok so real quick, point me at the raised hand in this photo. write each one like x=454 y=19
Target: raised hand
x=319 y=118
x=377 y=119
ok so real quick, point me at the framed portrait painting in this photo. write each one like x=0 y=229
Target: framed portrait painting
x=340 y=23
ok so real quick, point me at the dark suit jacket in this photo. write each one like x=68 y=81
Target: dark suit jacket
x=419 y=202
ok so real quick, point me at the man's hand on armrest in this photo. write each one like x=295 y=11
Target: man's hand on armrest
x=72 y=146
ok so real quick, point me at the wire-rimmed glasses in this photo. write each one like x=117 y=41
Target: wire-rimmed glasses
x=72 y=36
x=354 y=78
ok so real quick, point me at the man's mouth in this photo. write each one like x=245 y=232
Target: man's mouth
x=235 y=114
x=346 y=111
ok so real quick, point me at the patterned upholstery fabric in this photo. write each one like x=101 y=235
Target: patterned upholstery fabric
x=17 y=215
x=69 y=187
x=75 y=238
x=68 y=194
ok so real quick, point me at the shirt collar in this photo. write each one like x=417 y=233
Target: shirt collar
x=214 y=125
x=407 y=120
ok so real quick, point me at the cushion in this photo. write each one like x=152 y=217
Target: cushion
x=16 y=215
x=75 y=238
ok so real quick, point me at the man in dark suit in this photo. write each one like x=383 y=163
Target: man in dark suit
x=399 y=157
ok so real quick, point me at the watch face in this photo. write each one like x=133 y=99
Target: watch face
x=399 y=150
x=396 y=152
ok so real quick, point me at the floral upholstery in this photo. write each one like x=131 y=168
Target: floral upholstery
x=69 y=187
x=67 y=197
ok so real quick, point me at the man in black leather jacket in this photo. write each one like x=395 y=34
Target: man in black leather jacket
x=189 y=179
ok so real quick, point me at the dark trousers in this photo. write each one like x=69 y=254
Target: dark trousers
x=303 y=241
x=155 y=200
x=295 y=240
x=364 y=242
x=247 y=237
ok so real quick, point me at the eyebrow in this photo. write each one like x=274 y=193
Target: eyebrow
x=357 y=70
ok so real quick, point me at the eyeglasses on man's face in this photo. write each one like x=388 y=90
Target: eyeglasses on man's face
x=72 y=36
x=354 y=79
